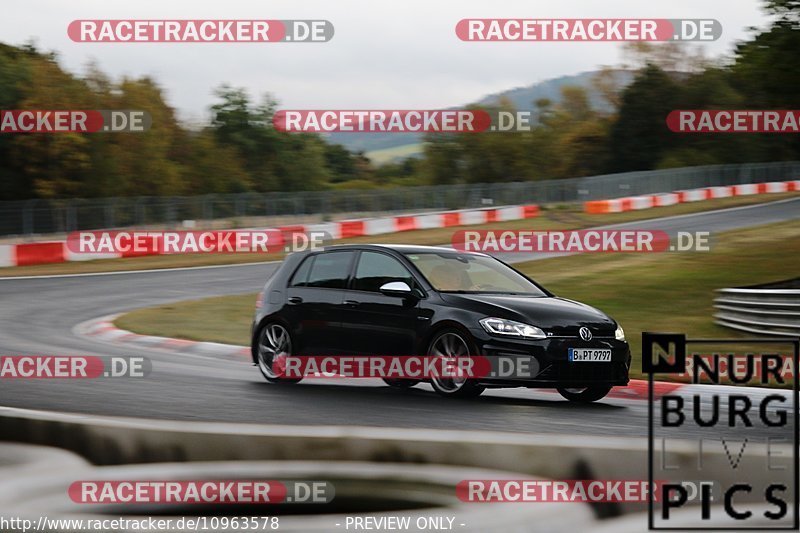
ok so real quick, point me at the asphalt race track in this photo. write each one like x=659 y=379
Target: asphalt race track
x=38 y=315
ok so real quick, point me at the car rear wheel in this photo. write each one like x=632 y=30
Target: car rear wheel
x=451 y=344
x=400 y=383
x=274 y=344
x=585 y=394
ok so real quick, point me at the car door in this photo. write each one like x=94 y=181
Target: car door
x=374 y=323
x=314 y=300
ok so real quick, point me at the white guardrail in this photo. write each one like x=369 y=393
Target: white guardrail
x=765 y=311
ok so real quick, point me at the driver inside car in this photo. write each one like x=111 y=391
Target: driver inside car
x=451 y=278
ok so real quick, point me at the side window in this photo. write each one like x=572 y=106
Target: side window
x=376 y=269
x=300 y=278
x=330 y=270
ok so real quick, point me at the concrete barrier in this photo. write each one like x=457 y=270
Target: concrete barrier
x=633 y=203
x=375 y=490
x=115 y=440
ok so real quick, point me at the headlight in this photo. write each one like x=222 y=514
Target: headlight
x=510 y=328
x=619 y=334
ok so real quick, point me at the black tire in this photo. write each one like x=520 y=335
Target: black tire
x=442 y=345
x=585 y=394
x=400 y=383
x=273 y=339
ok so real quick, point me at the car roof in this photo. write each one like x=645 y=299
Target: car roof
x=401 y=248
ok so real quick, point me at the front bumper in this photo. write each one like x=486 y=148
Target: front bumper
x=545 y=363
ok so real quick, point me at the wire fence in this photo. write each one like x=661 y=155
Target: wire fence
x=38 y=217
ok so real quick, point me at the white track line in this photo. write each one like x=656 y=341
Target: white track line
x=148 y=271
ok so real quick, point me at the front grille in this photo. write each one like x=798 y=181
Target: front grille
x=572 y=332
x=583 y=372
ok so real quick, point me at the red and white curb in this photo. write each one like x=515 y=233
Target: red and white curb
x=635 y=203
x=103 y=329
x=37 y=253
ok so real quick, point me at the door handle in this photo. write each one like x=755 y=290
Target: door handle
x=351 y=303
x=293 y=300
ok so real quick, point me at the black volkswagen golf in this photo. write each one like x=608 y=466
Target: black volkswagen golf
x=420 y=300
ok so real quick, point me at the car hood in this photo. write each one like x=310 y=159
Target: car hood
x=558 y=316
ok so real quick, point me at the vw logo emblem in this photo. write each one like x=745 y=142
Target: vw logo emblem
x=585 y=334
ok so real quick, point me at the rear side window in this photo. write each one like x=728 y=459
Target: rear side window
x=300 y=277
x=330 y=270
x=376 y=269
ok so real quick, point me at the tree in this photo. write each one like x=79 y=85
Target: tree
x=54 y=165
x=640 y=136
x=14 y=78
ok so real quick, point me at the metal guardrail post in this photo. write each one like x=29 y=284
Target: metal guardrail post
x=108 y=212
x=207 y=208
x=71 y=217
x=27 y=217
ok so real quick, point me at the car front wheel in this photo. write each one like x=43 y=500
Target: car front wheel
x=585 y=394
x=451 y=344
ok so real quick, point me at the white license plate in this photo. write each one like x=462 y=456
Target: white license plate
x=593 y=355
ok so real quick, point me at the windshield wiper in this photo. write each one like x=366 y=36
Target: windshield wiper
x=494 y=292
x=461 y=292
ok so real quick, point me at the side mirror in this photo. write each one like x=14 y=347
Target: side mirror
x=396 y=288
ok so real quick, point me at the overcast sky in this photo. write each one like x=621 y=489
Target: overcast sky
x=385 y=54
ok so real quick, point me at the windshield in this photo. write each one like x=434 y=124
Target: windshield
x=465 y=273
